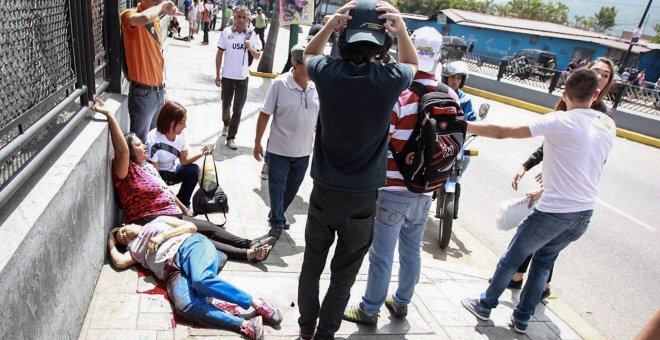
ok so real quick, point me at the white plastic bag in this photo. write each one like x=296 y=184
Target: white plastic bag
x=511 y=212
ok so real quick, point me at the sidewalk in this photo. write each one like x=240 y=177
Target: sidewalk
x=119 y=311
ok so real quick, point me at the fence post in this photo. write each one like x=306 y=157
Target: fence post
x=112 y=28
x=619 y=95
x=554 y=81
x=88 y=45
x=502 y=69
x=78 y=46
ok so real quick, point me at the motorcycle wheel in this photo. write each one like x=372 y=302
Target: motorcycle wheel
x=446 y=219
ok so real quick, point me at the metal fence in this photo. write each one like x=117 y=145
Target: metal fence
x=634 y=98
x=53 y=62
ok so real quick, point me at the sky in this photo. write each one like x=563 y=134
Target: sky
x=629 y=12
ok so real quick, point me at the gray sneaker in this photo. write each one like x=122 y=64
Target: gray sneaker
x=518 y=325
x=399 y=311
x=475 y=307
x=231 y=144
x=358 y=315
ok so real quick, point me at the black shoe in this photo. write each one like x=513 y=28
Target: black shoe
x=275 y=232
x=546 y=294
x=513 y=284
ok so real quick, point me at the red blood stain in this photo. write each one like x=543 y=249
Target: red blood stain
x=225 y=306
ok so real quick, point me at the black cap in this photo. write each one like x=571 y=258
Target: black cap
x=313 y=30
x=365 y=25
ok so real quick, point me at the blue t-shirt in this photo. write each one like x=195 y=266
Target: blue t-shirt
x=350 y=148
x=466 y=106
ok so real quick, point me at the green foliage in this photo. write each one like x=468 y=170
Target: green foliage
x=604 y=19
x=656 y=39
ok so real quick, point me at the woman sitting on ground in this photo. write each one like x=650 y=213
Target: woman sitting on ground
x=189 y=264
x=167 y=143
x=144 y=196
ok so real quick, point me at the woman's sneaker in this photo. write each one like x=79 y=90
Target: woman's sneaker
x=272 y=315
x=399 y=311
x=475 y=307
x=254 y=329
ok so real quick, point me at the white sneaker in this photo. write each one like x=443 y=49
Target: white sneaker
x=231 y=144
x=225 y=130
x=264 y=171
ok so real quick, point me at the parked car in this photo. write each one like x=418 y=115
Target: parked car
x=531 y=62
x=453 y=48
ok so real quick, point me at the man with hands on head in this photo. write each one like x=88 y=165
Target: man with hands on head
x=235 y=43
x=144 y=59
x=356 y=94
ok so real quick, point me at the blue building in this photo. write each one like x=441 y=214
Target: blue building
x=496 y=36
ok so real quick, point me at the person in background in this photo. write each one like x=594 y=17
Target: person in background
x=454 y=75
x=293 y=103
x=656 y=94
x=260 y=23
x=233 y=47
x=206 y=21
x=140 y=28
x=215 y=8
x=576 y=143
x=193 y=24
x=357 y=93
x=401 y=215
x=173 y=29
x=189 y=265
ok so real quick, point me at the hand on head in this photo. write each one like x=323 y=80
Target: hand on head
x=340 y=19
x=394 y=22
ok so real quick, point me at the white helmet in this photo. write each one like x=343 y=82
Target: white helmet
x=456 y=67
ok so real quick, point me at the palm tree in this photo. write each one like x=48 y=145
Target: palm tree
x=266 y=60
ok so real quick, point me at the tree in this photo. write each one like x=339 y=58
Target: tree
x=267 y=58
x=656 y=39
x=604 y=19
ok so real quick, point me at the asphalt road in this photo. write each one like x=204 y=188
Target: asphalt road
x=610 y=277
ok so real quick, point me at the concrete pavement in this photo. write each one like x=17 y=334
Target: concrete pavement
x=129 y=305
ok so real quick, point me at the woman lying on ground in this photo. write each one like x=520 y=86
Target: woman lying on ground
x=189 y=265
x=605 y=70
x=144 y=196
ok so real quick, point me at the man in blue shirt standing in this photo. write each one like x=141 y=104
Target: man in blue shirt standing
x=356 y=94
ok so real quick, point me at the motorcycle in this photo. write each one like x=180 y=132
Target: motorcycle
x=448 y=196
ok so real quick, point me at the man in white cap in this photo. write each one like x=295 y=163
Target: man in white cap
x=356 y=93
x=401 y=215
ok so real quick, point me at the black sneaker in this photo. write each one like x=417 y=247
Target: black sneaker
x=513 y=284
x=275 y=232
x=358 y=315
x=399 y=311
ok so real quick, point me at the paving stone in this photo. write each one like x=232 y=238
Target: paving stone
x=123 y=334
x=165 y=335
x=157 y=321
x=154 y=303
x=116 y=281
x=115 y=311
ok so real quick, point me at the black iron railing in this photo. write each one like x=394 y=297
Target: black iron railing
x=54 y=59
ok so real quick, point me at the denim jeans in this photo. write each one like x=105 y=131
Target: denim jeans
x=349 y=215
x=143 y=108
x=236 y=89
x=194 y=278
x=285 y=174
x=401 y=216
x=187 y=175
x=544 y=235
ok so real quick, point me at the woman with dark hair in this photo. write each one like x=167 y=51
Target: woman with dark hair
x=144 y=196
x=189 y=266
x=605 y=70
x=167 y=143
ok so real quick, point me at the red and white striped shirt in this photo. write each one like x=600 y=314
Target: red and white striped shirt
x=402 y=122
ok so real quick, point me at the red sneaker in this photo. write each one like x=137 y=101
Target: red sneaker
x=254 y=329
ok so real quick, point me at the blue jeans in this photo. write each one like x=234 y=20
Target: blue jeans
x=544 y=235
x=401 y=216
x=194 y=278
x=285 y=174
x=143 y=108
x=187 y=175
x=350 y=216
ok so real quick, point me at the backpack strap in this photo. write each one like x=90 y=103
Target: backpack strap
x=419 y=89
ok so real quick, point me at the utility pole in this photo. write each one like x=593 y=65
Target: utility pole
x=634 y=38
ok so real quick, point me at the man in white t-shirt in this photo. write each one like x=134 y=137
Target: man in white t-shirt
x=576 y=145
x=294 y=104
x=236 y=42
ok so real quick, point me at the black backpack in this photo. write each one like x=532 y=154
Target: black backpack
x=427 y=159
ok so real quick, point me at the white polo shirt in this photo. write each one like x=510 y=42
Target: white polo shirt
x=235 y=59
x=295 y=112
x=575 y=148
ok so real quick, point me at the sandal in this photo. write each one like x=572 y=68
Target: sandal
x=259 y=253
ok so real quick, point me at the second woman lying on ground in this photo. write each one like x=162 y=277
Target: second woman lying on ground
x=144 y=196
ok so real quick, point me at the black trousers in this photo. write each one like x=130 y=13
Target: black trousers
x=349 y=216
x=236 y=90
x=235 y=247
x=260 y=32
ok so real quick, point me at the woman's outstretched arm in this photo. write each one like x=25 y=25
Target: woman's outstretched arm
x=121 y=159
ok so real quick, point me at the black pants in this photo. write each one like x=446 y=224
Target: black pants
x=206 y=26
x=260 y=32
x=349 y=215
x=523 y=267
x=236 y=89
x=235 y=247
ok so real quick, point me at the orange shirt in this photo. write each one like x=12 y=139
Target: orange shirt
x=144 y=57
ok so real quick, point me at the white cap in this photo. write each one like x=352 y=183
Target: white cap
x=428 y=43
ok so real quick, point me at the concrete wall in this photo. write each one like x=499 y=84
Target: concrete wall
x=636 y=122
x=53 y=235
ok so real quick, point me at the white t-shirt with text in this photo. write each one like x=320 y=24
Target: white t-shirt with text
x=235 y=59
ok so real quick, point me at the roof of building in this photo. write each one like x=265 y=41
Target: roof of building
x=533 y=27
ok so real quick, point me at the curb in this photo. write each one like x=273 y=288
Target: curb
x=627 y=134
